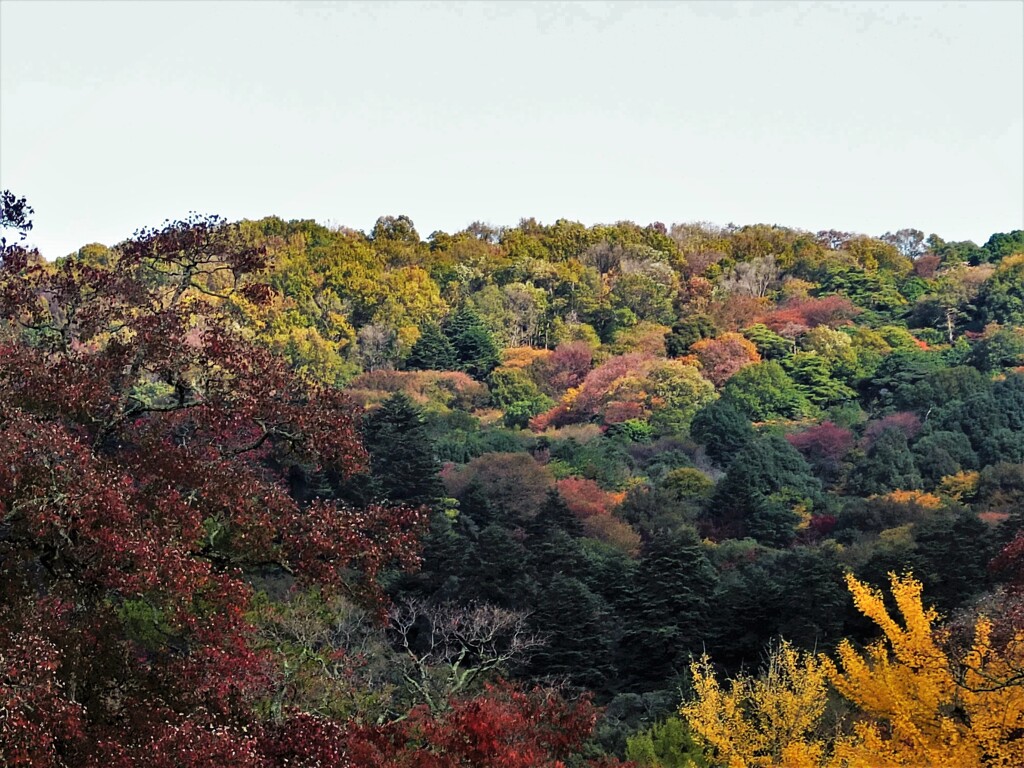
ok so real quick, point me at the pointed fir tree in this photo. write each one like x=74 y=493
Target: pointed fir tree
x=553 y=540
x=723 y=429
x=574 y=622
x=476 y=352
x=554 y=515
x=759 y=495
x=432 y=351
x=403 y=466
x=670 y=612
x=888 y=466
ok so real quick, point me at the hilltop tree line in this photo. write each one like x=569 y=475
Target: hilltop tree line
x=274 y=494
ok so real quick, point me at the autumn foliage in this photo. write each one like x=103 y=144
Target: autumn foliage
x=213 y=438
x=723 y=356
x=802 y=314
x=144 y=447
x=503 y=728
x=918 y=698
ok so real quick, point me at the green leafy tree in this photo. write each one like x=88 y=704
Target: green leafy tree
x=764 y=391
x=1000 y=348
x=396 y=239
x=517 y=395
x=812 y=374
x=887 y=466
x=770 y=345
x=1003 y=244
x=646 y=296
x=680 y=392
x=957 y=252
x=1001 y=299
x=652 y=511
x=943 y=453
x=687 y=331
x=668 y=744
x=942 y=386
x=899 y=373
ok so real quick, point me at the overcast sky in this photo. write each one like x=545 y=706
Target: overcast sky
x=859 y=116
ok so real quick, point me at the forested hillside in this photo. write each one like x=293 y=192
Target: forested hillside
x=278 y=494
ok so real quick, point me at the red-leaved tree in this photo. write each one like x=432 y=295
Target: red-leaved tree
x=144 y=449
x=503 y=728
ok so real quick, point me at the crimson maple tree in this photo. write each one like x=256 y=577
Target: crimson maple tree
x=145 y=445
x=505 y=727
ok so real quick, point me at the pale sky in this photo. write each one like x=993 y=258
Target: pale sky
x=856 y=115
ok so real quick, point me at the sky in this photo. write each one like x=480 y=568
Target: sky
x=859 y=116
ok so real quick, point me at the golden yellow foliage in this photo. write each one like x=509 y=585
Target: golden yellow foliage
x=963 y=486
x=921 y=706
x=523 y=357
x=918 y=498
x=763 y=721
x=917 y=703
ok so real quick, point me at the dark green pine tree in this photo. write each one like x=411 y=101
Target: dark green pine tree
x=476 y=352
x=944 y=453
x=814 y=602
x=432 y=351
x=951 y=556
x=575 y=626
x=686 y=331
x=554 y=515
x=746 y=609
x=496 y=570
x=403 y=466
x=670 y=611
x=723 y=429
x=759 y=494
x=444 y=552
x=476 y=511
x=888 y=466
x=553 y=541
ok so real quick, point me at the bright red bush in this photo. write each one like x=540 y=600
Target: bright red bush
x=505 y=727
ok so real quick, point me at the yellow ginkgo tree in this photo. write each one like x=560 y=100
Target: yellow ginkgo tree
x=915 y=703
x=770 y=720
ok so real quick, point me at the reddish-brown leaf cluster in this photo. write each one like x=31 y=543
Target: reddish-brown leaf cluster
x=611 y=384
x=800 y=314
x=823 y=442
x=144 y=448
x=503 y=728
x=722 y=357
x=902 y=421
x=565 y=367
